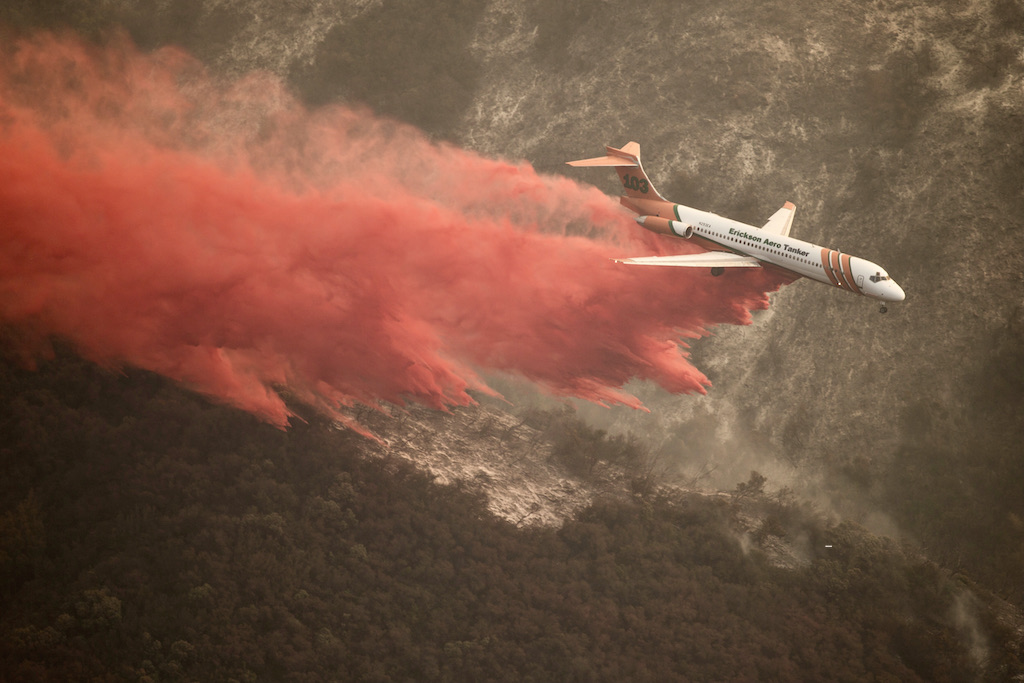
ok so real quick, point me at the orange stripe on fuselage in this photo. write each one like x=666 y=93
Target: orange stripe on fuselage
x=848 y=273
x=837 y=268
x=833 y=264
x=826 y=257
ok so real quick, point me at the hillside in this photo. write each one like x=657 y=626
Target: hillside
x=151 y=536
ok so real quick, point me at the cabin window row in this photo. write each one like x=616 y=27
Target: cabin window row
x=773 y=251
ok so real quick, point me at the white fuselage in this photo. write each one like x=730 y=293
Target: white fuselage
x=803 y=258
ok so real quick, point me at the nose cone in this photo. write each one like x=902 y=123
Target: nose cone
x=895 y=292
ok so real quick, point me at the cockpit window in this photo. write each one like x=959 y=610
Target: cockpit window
x=878 y=277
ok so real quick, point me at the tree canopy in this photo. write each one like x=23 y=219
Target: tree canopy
x=148 y=535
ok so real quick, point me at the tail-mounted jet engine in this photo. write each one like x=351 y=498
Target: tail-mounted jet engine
x=664 y=226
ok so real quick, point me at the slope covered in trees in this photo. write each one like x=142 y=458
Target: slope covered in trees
x=150 y=536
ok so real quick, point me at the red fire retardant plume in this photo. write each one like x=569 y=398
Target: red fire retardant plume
x=218 y=233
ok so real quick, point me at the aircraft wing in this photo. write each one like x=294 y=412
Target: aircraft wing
x=708 y=259
x=781 y=221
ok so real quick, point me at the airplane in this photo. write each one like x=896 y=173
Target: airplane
x=731 y=244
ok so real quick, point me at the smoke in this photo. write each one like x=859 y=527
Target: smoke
x=964 y=612
x=220 y=234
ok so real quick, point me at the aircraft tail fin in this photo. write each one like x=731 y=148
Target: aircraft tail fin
x=626 y=162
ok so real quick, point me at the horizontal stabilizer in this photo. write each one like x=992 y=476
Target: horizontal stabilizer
x=628 y=156
x=709 y=259
x=604 y=161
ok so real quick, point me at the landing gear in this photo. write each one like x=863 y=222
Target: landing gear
x=718 y=270
x=883 y=309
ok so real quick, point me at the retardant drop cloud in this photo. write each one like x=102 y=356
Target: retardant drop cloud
x=220 y=234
